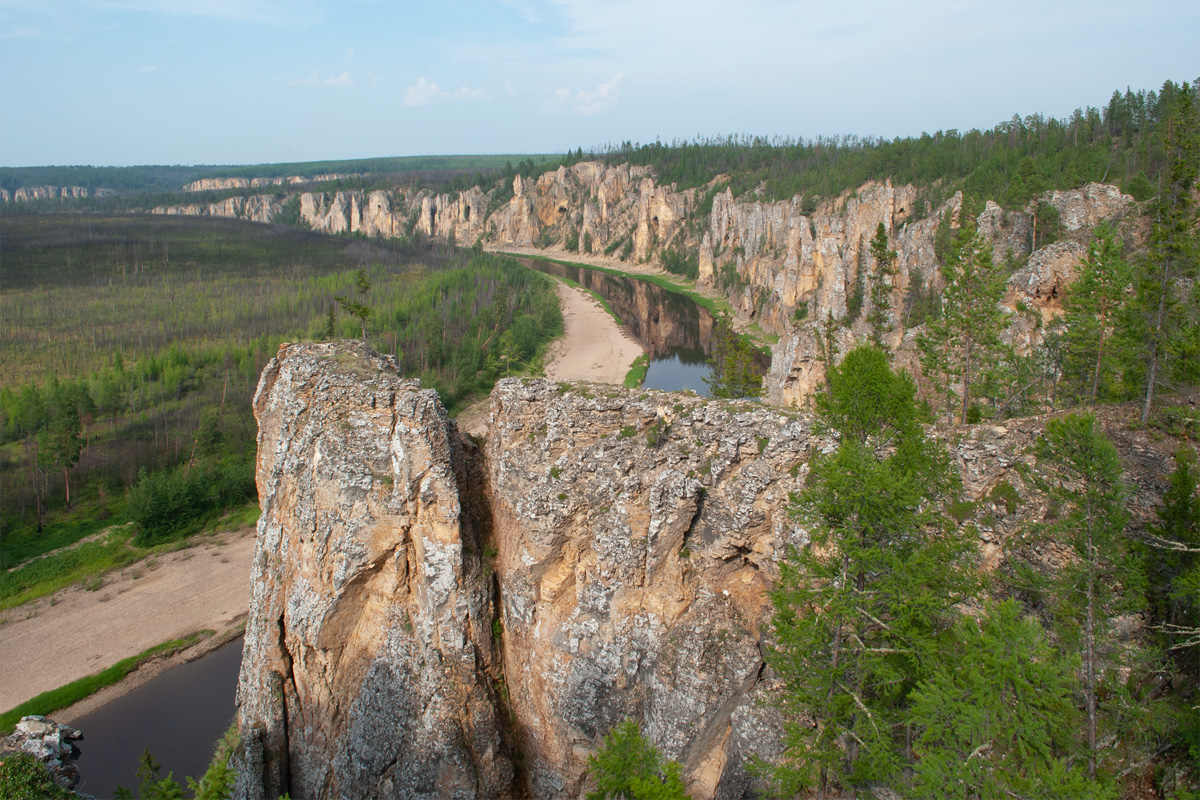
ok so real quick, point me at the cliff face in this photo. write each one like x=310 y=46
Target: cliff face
x=369 y=643
x=775 y=263
x=435 y=619
x=636 y=540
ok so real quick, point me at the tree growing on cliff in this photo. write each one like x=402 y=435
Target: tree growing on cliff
x=859 y=609
x=354 y=307
x=965 y=339
x=1093 y=305
x=629 y=767
x=881 y=284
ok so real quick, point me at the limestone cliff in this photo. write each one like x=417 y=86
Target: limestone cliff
x=369 y=646
x=785 y=265
x=432 y=618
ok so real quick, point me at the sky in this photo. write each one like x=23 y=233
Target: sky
x=123 y=82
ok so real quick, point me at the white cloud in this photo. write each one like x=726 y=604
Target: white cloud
x=423 y=91
x=341 y=80
x=149 y=68
x=465 y=93
x=420 y=93
x=592 y=101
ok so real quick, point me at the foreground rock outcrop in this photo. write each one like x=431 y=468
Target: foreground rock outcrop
x=369 y=640
x=50 y=743
x=437 y=618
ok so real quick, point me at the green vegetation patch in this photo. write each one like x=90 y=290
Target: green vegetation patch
x=637 y=371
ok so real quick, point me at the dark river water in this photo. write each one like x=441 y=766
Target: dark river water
x=178 y=716
x=675 y=331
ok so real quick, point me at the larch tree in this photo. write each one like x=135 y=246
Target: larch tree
x=965 y=339
x=1093 y=304
x=1085 y=480
x=859 y=608
x=1172 y=251
x=881 y=284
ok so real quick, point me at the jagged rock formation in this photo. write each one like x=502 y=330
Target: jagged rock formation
x=225 y=184
x=27 y=194
x=637 y=538
x=435 y=619
x=369 y=643
x=777 y=262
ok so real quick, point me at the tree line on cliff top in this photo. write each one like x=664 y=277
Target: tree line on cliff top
x=1124 y=143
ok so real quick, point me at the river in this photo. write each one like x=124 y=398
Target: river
x=673 y=329
x=178 y=716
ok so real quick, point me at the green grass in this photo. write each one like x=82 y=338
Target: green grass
x=47 y=575
x=47 y=703
x=637 y=371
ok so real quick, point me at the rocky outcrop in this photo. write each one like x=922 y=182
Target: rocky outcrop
x=50 y=743
x=786 y=265
x=433 y=618
x=631 y=542
x=637 y=538
x=227 y=184
x=28 y=194
x=369 y=643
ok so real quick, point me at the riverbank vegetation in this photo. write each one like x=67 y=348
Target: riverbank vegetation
x=130 y=348
x=47 y=703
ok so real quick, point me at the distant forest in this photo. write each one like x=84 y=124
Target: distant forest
x=163 y=179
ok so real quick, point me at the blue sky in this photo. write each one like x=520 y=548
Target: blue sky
x=119 y=82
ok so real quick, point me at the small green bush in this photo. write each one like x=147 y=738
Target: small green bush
x=23 y=777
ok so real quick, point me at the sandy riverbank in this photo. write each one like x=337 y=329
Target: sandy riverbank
x=44 y=644
x=593 y=348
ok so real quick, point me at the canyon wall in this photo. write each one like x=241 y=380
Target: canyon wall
x=782 y=266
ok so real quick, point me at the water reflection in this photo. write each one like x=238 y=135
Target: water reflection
x=178 y=716
x=675 y=331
